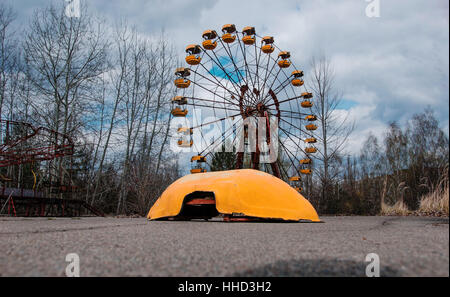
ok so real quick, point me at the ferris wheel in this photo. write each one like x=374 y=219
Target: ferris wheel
x=244 y=78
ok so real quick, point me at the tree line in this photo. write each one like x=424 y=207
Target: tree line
x=407 y=164
x=106 y=87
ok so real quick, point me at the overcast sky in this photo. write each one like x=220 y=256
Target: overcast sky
x=387 y=67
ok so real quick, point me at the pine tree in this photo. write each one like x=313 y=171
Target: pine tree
x=223 y=160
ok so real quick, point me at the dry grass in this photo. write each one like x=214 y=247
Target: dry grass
x=435 y=203
x=398 y=209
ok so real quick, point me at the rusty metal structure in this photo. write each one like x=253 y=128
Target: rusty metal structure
x=35 y=173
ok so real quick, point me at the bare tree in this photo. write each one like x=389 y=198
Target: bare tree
x=65 y=56
x=109 y=92
x=334 y=129
x=7 y=51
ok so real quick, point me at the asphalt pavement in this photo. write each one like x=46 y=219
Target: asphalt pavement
x=406 y=246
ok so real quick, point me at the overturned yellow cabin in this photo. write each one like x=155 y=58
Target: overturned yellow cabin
x=243 y=194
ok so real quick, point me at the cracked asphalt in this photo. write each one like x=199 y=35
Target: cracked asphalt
x=406 y=246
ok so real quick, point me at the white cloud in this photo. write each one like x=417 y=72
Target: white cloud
x=392 y=66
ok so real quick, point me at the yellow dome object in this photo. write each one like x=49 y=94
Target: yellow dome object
x=209 y=44
x=228 y=38
x=246 y=192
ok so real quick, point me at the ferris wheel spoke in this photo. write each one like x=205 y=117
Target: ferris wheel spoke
x=250 y=99
x=281 y=87
x=253 y=99
x=222 y=68
x=285 y=100
x=273 y=82
x=211 y=81
x=267 y=74
x=212 y=122
x=295 y=113
x=257 y=57
x=304 y=152
x=296 y=127
x=212 y=101
x=288 y=134
x=288 y=155
x=215 y=94
x=213 y=145
x=237 y=70
x=230 y=55
x=245 y=60
x=216 y=107
x=228 y=51
x=307 y=133
x=278 y=89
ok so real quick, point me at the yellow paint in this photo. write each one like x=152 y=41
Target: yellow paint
x=229 y=28
x=177 y=112
x=297 y=82
x=182 y=83
x=248 y=40
x=267 y=49
x=250 y=192
x=228 y=38
x=209 y=45
x=198 y=170
x=284 y=63
x=193 y=60
x=307 y=104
